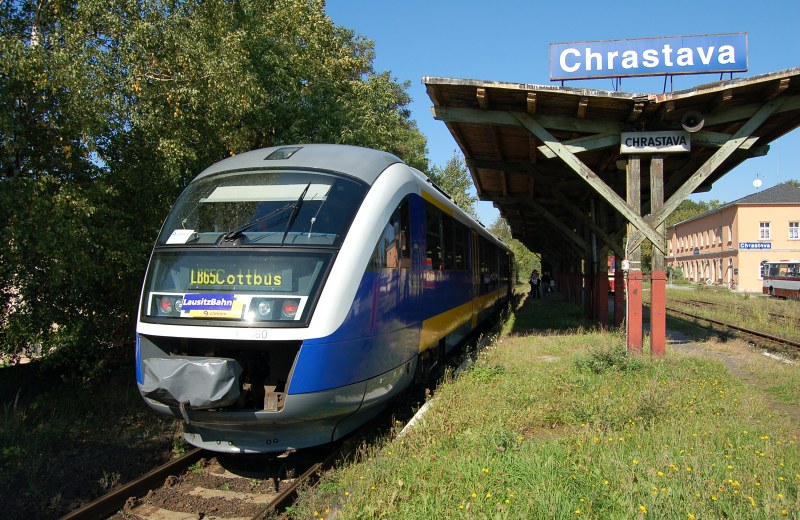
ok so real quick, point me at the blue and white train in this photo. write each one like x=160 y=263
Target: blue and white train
x=294 y=290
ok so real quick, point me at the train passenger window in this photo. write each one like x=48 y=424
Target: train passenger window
x=392 y=251
x=447 y=239
x=434 y=258
x=460 y=247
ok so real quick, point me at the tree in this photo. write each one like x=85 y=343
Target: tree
x=108 y=110
x=456 y=181
x=525 y=261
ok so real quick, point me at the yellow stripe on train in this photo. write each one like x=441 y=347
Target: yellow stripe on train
x=439 y=326
x=433 y=200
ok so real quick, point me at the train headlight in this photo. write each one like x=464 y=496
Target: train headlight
x=264 y=308
x=289 y=309
x=178 y=305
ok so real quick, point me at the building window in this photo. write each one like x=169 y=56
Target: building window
x=730 y=233
x=794 y=230
x=764 y=231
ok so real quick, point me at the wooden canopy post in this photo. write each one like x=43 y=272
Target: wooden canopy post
x=634 y=277
x=658 y=294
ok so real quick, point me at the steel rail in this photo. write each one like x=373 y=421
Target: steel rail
x=288 y=495
x=756 y=333
x=110 y=503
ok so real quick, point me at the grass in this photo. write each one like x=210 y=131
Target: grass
x=563 y=424
x=751 y=311
x=60 y=442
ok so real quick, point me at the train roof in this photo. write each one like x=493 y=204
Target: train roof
x=363 y=163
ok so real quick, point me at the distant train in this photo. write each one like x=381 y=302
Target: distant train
x=782 y=279
x=294 y=290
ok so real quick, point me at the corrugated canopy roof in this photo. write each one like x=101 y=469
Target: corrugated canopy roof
x=533 y=149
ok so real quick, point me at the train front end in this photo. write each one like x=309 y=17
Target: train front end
x=230 y=297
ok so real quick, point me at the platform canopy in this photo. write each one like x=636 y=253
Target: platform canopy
x=549 y=157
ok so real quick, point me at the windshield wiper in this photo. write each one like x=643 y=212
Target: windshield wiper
x=236 y=233
x=295 y=212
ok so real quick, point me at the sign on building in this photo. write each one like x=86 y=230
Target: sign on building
x=755 y=245
x=667 y=56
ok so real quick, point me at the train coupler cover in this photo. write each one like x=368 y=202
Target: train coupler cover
x=203 y=382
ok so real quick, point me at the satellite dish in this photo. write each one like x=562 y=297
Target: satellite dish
x=757 y=183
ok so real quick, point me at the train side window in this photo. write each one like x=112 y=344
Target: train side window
x=392 y=251
x=433 y=239
x=460 y=247
x=447 y=239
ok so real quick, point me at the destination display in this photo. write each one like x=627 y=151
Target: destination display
x=670 y=55
x=214 y=277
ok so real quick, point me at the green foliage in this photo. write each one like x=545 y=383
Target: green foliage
x=525 y=261
x=455 y=180
x=106 y=112
x=609 y=358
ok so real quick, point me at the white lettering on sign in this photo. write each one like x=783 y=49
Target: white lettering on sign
x=649 y=56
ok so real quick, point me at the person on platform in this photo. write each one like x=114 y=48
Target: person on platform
x=546 y=279
x=536 y=282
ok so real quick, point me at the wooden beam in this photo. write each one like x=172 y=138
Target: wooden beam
x=499 y=117
x=583 y=104
x=735 y=114
x=584 y=144
x=634 y=200
x=778 y=88
x=588 y=175
x=500 y=165
x=707 y=138
x=720 y=100
x=656 y=201
x=531 y=103
x=434 y=93
x=559 y=226
x=636 y=112
x=593 y=226
x=482 y=98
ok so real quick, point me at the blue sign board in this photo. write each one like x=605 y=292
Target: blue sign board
x=207 y=302
x=667 y=56
x=755 y=245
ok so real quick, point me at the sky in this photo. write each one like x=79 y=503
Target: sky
x=508 y=41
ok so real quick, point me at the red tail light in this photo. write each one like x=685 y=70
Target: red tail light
x=290 y=308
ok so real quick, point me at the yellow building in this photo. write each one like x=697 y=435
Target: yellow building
x=727 y=246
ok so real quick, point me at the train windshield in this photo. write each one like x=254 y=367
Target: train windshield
x=233 y=285
x=264 y=208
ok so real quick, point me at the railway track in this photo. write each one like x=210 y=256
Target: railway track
x=743 y=330
x=788 y=320
x=202 y=484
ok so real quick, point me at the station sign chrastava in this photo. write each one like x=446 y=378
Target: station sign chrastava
x=662 y=56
